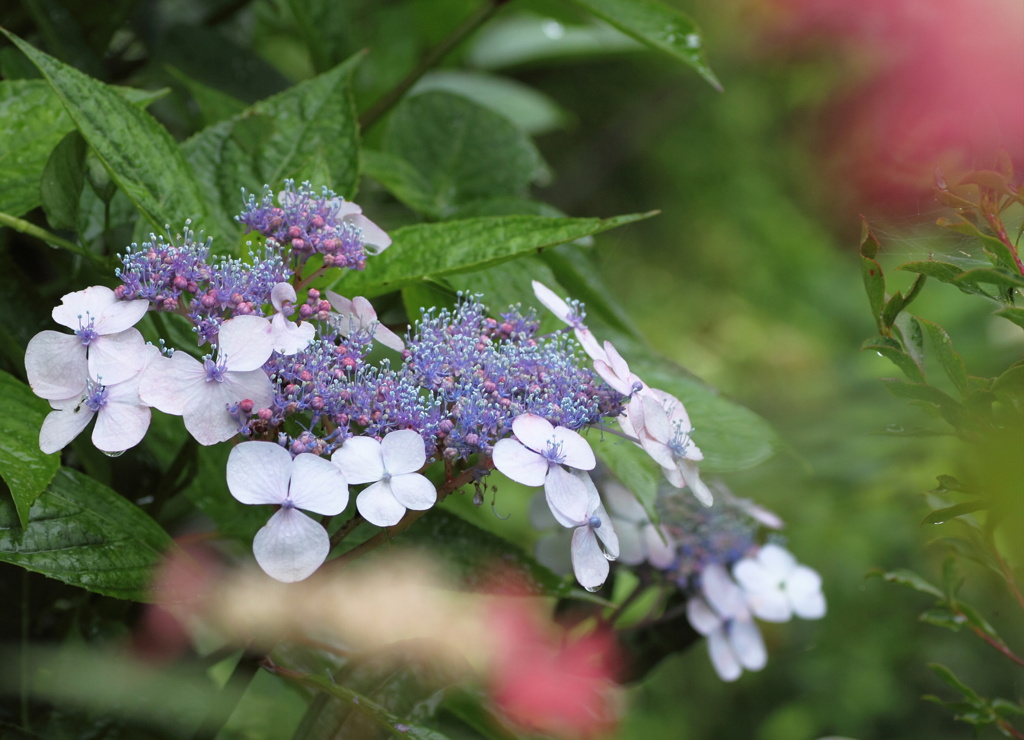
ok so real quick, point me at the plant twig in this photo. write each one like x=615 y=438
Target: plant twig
x=453 y=39
x=30 y=229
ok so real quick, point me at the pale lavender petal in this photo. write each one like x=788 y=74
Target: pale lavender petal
x=120 y=426
x=317 y=485
x=722 y=657
x=616 y=362
x=403 y=452
x=346 y=207
x=360 y=460
x=246 y=342
x=339 y=303
x=363 y=312
x=116 y=357
x=56 y=365
x=282 y=294
x=771 y=605
x=576 y=450
x=804 y=589
x=622 y=503
x=661 y=548
x=378 y=505
x=701 y=616
x=656 y=423
x=589 y=564
x=413 y=491
x=533 y=431
x=287 y=337
x=631 y=548
x=674 y=408
x=169 y=384
x=515 y=461
x=121 y=315
x=747 y=644
x=63 y=424
x=691 y=474
x=78 y=308
x=606 y=533
x=375 y=239
x=206 y=413
x=552 y=302
x=778 y=561
x=258 y=473
x=753 y=577
x=604 y=369
x=388 y=338
x=291 y=546
x=554 y=552
x=567 y=496
x=590 y=344
x=722 y=593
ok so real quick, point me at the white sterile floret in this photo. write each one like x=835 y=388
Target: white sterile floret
x=616 y=373
x=593 y=529
x=722 y=616
x=562 y=310
x=121 y=418
x=288 y=337
x=357 y=315
x=390 y=465
x=201 y=392
x=536 y=458
x=291 y=546
x=639 y=540
x=58 y=364
x=666 y=438
x=777 y=587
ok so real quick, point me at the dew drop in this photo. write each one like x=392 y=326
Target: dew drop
x=692 y=41
x=552 y=29
x=113 y=454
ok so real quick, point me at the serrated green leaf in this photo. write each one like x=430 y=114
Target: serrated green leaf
x=477 y=559
x=308 y=132
x=84 y=534
x=951 y=361
x=461 y=151
x=892 y=351
x=62 y=182
x=951 y=512
x=32 y=123
x=214 y=105
x=138 y=152
x=910 y=579
x=657 y=25
x=433 y=250
x=26 y=470
x=400 y=179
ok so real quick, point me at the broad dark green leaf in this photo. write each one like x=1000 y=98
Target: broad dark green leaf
x=84 y=534
x=951 y=361
x=209 y=492
x=659 y=26
x=910 y=579
x=214 y=105
x=891 y=350
x=32 y=123
x=308 y=132
x=479 y=560
x=432 y=250
x=510 y=283
x=731 y=436
x=400 y=179
x=576 y=271
x=139 y=153
x=23 y=466
x=523 y=38
x=63 y=179
x=461 y=151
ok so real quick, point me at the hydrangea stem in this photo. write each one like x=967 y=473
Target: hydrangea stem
x=30 y=229
x=453 y=39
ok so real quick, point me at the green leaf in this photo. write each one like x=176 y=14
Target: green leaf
x=400 y=179
x=308 y=132
x=992 y=276
x=891 y=350
x=950 y=409
x=461 y=150
x=952 y=363
x=214 y=105
x=26 y=470
x=576 y=271
x=941 y=616
x=1010 y=383
x=432 y=250
x=946 y=676
x=1000 y=254
x=209 y=492
x=657 y=25
x=951 y=512
x=479 y=560
x=945 y=272
x=910 y=579
x=947 y=483
x=63 y=179
x=32 y=123
x=138 y=152
x=1016 y=315
x=84 y=534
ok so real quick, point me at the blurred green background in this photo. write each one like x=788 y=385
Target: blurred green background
x=749 y=277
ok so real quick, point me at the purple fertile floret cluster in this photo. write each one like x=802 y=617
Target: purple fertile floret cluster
x=308 y=224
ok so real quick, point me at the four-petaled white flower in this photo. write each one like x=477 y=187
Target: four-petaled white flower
x=666 y=438
x=639 y=539
x=563 y=311
x=357 y=315
x=722 y=616
x=121 y=418
x=593 y=528
x=391 y=465
x=536 y=458
x=201 y=392
x=777 y=587
x=58 y=365
x=288 y=337
x=291 y=546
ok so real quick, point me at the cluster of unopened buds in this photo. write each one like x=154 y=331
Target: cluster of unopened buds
x=291 y=377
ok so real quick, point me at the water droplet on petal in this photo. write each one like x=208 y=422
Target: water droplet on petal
x=113 y=454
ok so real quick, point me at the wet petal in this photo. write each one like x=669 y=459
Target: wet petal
x=63 y=424
x=567 y=496
x=317 y=485
x=56 y=365
x=589 y=564
x=606 y=534
x=291 y=546
x=120 y=426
